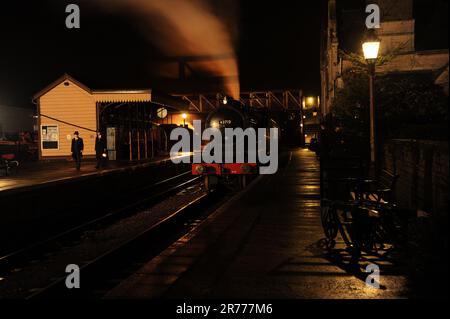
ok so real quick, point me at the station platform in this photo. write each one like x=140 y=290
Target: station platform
x=35 y=175
x=265 y=243
x=47 y=198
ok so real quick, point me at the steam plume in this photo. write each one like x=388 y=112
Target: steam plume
x=188 y=28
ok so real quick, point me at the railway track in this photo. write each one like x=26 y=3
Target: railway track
x=107 y=270
x=23 y=256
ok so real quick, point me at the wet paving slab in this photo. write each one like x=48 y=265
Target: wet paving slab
x=267 y=243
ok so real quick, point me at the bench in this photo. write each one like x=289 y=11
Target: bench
x=371 y=223
x=361 y=211
x=379 y=190
x=7 y=162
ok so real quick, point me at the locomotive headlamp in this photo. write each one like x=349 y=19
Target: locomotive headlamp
x=225 y=100
x=215 y=124
x=200 y=169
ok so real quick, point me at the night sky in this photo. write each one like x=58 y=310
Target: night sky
x=278 y=47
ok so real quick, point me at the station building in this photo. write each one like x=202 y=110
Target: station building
x=131 y=120
x=403 y=33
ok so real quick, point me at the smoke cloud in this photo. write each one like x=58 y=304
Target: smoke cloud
x=188 y=28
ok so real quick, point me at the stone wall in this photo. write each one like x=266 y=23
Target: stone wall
x=423 y=167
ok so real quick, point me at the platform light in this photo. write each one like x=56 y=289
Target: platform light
x=184 y=116
x=371 y=50
x=371 y=46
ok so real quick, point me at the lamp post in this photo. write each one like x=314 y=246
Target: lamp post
x=371 y=48
x=184 y=116
x=302 y=123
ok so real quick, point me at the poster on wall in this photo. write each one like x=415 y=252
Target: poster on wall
x=50 y=137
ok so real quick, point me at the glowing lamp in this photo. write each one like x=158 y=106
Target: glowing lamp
x=371 y=50
x=371 y=46
x=200 y=169
x=215 y=124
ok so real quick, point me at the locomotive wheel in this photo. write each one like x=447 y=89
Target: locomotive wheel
x=210 y=182
x=207 y=183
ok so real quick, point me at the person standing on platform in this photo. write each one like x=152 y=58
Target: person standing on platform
x=100 y=150
x=77 y=149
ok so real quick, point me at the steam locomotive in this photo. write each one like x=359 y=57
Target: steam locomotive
x=232 y=114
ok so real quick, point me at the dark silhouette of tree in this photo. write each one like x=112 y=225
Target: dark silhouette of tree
x=402 y=101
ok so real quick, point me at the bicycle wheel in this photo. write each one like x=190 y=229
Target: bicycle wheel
x=329 y=224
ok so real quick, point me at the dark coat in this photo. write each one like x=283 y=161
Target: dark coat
x=100 y=146
x=77 y=147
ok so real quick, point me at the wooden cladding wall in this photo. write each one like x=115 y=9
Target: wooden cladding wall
x=69 y=103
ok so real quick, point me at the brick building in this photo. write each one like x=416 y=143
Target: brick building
x=403 y=29
x=416 y=30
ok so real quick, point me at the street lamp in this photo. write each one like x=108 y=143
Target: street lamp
x=184 y=116
x=371 y=48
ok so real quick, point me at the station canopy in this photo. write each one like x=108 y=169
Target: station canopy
x=122 y=96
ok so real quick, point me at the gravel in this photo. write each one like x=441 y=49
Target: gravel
x=21 y=282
